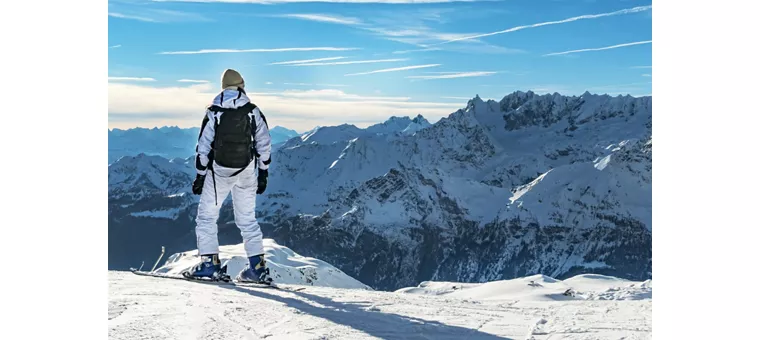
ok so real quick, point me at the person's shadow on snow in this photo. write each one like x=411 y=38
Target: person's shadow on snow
x=375 y=323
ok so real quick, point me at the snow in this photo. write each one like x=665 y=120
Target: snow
x=144 y=307
x=285 y=266
x=540 y=288
x=565 y=164
x=602 y=163
x=167 y=213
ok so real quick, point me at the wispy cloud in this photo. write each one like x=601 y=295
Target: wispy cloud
x=131 y=17
x=332 y=85
x=418 y=50
x=396 y=69
x=581 y=17
x=296 y=109
x=268 y=83
x=193 y=81
x=298 y=84
x=305 y=61
x=130 y=79
x=600 y=48
x=329 y=18
x=646 y=75
x=263 y=50
x=408 y=27
x=353 y=62
x=143 y=13
x=455 y=75
x=114 y=46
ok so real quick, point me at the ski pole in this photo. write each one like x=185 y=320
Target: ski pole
x=159 y=258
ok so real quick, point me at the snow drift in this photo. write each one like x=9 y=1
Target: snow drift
x=285 y=266
x=540 y=288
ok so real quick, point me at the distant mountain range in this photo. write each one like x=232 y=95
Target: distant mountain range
x=168 y=141
x=531 y=184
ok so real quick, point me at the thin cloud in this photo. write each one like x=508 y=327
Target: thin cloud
x=298 y=84
x=353 y=62
x=296 y=109
x=646 y=75
x=131 y=17
x=114 y=46
x=263 y=50
x=600 y=48
x=418 y=50
x=581 y=17
x=268 y=83
x=332 y=85
x=193 y=81
x=329 y=18
x=305 y=61
x=130 y=79
x=455 y=75
x=394 y=69
x=142 y=13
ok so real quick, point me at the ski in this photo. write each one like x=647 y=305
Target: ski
x=215 y=282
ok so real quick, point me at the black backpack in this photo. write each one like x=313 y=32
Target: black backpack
x=233 y=137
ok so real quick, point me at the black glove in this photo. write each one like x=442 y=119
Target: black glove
x=263 y=174
x=198 y=184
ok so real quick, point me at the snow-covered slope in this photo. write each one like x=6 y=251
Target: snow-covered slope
x=541 y=288
x=142 y=307
x=285 y=266
x=531 y=184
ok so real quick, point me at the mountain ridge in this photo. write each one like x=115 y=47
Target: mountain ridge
x=529 y=184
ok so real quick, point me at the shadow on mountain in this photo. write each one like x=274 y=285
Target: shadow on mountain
x=377 y=324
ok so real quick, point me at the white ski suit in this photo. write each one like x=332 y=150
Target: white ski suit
x=219 y=182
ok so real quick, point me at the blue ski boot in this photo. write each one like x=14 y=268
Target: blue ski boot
x=209 y=268
x=256 y=271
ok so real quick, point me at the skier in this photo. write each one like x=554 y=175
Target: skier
x=234 y=135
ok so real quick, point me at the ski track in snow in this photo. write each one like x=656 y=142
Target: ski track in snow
x=152 y=308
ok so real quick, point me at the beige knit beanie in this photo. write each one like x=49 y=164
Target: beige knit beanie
x=232 y=78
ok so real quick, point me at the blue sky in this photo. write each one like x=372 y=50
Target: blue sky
x=327 y=63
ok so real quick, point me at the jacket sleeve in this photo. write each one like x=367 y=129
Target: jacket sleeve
x=203 y=147
x=262 y=139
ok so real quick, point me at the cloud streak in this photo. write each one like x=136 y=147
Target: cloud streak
x=581 y=17
x=263 y=50
x=145 y=14
x=328 y=18
x=600 y=48
x=192 y=81
x=396 y=69
x=454 y=75
x=131 y=17
x=114 y=46
x=130 y=79
x=305 y=61
x=353 y=62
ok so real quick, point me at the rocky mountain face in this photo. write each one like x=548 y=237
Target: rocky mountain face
x=532 y=184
